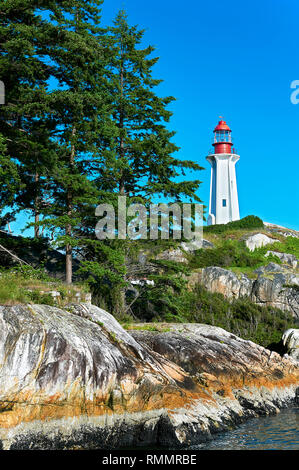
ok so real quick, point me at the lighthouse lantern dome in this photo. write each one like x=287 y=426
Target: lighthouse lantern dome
x=222 y=138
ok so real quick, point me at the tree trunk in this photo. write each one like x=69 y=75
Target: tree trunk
x=36 y=209
x=68 y=262
x=121 y=126
x=68 y=228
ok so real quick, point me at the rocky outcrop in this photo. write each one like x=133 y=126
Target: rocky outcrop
x=275 y=285
x=76 y=379
x=258 y=240
x=179 y=254
x=176 y=255
x=279 y=230
x=290 y=340
x=278 y=287
x=225 y=282
x=286 y=258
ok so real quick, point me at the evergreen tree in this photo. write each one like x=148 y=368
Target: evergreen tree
x=25 y=74
x=9 y=183
x=138 y=161
x=77 y=109
x=141 y=161
x=52 y=135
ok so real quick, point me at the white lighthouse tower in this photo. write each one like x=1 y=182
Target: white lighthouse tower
x=224 y=204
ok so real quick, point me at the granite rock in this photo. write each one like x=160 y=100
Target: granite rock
x=75 y=379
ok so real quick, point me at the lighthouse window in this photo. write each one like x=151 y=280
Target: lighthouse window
x=223 y=202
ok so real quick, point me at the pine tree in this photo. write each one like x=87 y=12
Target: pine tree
x=9 y=183
x=52 y=134
x=141 y=161
x=138 y=161
x=25 y=74
x=77 y=109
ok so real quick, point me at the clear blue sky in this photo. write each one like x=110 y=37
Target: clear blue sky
x=235 y=59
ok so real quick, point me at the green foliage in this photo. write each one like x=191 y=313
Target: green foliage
x=10 y=182
x=33 y=250
x=16 y=287
x=249 y=222
x=230 y=253
x=262 y=325
x=30 y=273
x=138 y=160
x=288 y=245
x=24 y=284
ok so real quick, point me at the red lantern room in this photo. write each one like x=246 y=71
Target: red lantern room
x=222 y=138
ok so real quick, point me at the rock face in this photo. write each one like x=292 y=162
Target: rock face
x=225 y=282
x=275 y=285
x=179 y=254
x=286 y=258
x=258 y=240
x=176 y=255
x=76 y=379
x=278 y=287
x=290 y=340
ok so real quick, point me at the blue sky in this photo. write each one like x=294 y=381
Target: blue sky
x=234 y=59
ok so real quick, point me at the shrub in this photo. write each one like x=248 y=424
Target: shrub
x=231 y=253
x=249 y=222
x=263 y=325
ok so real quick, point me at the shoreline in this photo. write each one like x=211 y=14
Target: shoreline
x=75 y=379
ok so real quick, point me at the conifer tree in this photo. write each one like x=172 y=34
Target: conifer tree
x=25 y=75
x=52 y=68
x=76 y=107
x=138 y=161
x=141 y=161
x=9 y=184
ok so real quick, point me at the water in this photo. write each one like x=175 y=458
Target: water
x=278 y=432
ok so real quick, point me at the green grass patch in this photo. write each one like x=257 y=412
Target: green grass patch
x=146 y=327
x=25 y=284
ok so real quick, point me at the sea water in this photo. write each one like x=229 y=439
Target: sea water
x=276 y=432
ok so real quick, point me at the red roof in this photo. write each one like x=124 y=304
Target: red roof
x=222 y=126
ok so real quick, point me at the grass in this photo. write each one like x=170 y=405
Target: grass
x=157 y=327
x=28 y=285
x=248 y=271
x=230 y=252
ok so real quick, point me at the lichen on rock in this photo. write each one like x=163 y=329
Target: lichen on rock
x=75 y=378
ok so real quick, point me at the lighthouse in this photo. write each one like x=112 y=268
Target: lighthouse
x=224 y=205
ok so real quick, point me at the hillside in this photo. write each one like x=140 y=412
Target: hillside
x=245 y=279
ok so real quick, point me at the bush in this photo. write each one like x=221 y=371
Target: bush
x=262 y=325
x=231 y=254
x=249 y=222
